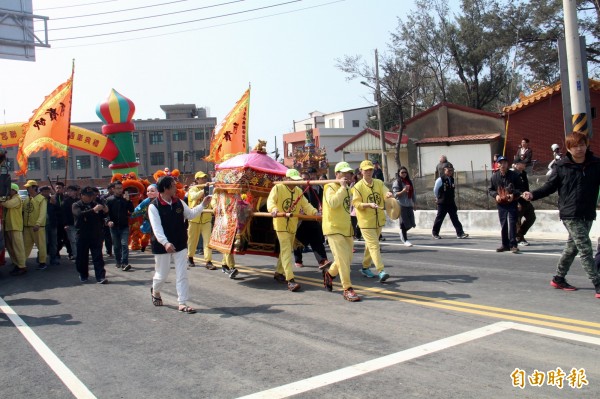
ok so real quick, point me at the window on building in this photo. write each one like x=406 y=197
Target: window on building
x=83 y=162
x=355 y=123
x=332 y=123
x=33 y=163
x=156 y=137
x=157 y=158
x=137 y=157
x=594 y=113
x=136 y=137
x=180 y=136
x=178 y=156
x=57 y=163
x=341 y=123
x=104 y=163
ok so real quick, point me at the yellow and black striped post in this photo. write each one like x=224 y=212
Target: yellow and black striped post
x=580 y=124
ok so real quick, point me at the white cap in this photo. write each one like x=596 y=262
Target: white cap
x=554 y=147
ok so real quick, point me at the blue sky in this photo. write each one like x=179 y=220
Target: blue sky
x=289 y=58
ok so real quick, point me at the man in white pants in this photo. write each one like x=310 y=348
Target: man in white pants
x=167 y=214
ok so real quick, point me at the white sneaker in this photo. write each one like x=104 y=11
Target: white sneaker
x=401 y=237
x=407 y=243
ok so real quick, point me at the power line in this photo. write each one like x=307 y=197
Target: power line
x=179 y=23
x=114 y=11
x=201 y=28
x=150 y=16
x=75 y=5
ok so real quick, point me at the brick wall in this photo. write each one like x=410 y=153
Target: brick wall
x=542 y=124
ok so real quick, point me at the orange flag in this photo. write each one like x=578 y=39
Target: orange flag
x=48 y=128
x=231 y=135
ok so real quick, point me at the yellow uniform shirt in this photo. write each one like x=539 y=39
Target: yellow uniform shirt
x=336 y=210
x=13 y=215
x=282 y=198
x=34 y=211
x=196 y=196
x=362 y=193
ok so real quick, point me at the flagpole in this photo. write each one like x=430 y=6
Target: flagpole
x=69 y=123
x=248 y=118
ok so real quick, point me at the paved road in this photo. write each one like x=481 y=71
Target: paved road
x=454 y=320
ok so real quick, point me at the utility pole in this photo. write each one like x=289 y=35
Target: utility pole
x=384 y=167
x=578 y=105
x=276 y=152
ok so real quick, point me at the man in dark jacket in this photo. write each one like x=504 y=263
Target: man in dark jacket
x=89 y=222
x=505 y=188
x=526 y=216
x=576 y=177
x=446 y=205
x=119 y=210
x=67 y=219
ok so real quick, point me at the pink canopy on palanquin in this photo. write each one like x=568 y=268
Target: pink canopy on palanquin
x=255 y=160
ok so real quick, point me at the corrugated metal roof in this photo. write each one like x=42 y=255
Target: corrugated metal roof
x=459 y=139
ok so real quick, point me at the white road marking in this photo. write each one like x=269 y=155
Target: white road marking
x=74 y=384
x=376 y=364
x=436 y=247
x=356 y=370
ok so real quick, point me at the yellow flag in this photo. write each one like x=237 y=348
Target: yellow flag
x=231 y=135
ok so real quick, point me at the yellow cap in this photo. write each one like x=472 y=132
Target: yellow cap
x=200 y=175
x=31 y=183
x=366 y=165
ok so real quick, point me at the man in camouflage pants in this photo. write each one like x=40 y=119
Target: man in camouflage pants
x=576 y=177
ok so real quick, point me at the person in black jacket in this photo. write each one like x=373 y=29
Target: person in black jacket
x=119 y=210
x=89 y=222
x=576 y=177
x=505 y=188
x=67 y=219
x=526 y=216
x=446 y=205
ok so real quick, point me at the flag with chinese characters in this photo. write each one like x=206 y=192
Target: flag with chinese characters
x=48 y=128
x=230 y=137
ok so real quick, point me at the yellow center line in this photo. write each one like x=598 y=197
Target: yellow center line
x=464 y=307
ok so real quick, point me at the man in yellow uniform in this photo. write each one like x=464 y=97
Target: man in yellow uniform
x=338 y=229
x=34 y=222
x=288 y=199
x=13 y=230
x=368 y=197
x=201 y=224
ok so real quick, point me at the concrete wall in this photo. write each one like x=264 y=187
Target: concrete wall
x=547 y=222
x=460 y=155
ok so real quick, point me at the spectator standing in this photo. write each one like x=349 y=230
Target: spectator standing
x=505 y=188
x=34 y=223
x=576 y=177
x=404 y=191
x=556 y=155
x=13 y=230
x=167 y=215
x=525 y=153
x=377 y=171
x=439 y=170
x=89 y=217
x=526 y=209
x=120 y=208
x=446 y=205
x=368 y=197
